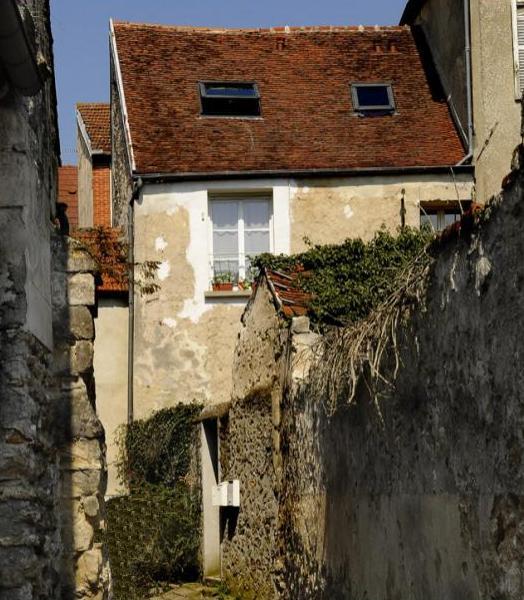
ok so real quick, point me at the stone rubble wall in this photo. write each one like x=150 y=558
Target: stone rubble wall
x=78 y=432
x=423 y=498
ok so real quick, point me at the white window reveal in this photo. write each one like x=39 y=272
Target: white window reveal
x=518 y=37
x=241 y=229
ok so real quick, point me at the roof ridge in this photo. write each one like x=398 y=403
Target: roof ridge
x=104 y=104
x=269 y=30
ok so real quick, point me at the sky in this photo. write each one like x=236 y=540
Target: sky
x=81 y=46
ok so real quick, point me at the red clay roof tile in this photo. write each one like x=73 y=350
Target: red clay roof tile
x=97 y=121
x=293 y=301
x=304 y=77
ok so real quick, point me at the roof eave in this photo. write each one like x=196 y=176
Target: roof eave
x=354 y=172
x=412 y=9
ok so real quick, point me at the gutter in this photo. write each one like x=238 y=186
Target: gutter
x=137 y=186
x=16 y=53
x=303 y=173
x=469 y=92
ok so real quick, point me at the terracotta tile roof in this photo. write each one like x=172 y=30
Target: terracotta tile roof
x=97 y=121
x=68 y=192
x=104 y=244
x=304 y=77
x=293 y=301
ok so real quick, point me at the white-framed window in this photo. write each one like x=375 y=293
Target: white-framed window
x=518 y=45
x=241 y=226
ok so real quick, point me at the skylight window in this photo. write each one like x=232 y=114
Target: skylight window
x=225 y=99
x=372 y=97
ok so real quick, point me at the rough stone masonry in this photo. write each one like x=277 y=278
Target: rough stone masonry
x=418 y=497
x=51 y=443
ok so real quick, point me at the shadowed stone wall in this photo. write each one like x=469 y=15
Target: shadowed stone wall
x=79 y=433
x=422 y=495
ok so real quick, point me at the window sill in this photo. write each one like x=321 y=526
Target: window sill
x=229 y=294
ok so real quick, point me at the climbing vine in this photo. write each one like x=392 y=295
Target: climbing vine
x=152 y=532
x=347 y=281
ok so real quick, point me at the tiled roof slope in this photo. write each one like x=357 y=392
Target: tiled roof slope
x=293 y=301
x=68 y=192
x=304 y=79
x=97 y=120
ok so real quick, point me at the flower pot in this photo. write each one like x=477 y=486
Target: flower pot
x=223 y=287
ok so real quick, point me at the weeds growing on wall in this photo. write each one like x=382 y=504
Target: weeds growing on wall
x=153 y=532
x=347 y=281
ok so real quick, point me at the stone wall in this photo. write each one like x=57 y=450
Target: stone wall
x=29 y=542
x=422 y=496
x=418 y=495
x=121 y=183
x=79 y=435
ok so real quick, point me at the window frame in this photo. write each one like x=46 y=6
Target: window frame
x=391 y=108
x=202 y=94
x=441 y=209
x=239 y=197
x=515 y=5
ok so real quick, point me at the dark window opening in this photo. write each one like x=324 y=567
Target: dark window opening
x=372 y=97
x=220 y=99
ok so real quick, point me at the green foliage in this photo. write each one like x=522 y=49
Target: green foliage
x=152 y=538
x=157 y=451
x=346 y=281
x=152 y=533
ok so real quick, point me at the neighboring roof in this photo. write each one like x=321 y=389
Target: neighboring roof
x=304 y=77
x=68 y=192
x=96 y=119
x=292 y=301
x=106 y=246
x=412 y=10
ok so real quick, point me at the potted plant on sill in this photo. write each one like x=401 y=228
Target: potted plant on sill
x=223 y=282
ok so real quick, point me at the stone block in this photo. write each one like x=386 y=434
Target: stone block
x=76 y=484
x=300 y=325
x=81 y=289
x=73 y=359
x=89 y=569
x=74 y=415
x=82 y=455
x=71 y=256
x=91 y=506
x=73 y=323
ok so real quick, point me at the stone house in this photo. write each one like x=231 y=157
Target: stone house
x=477 y=47
x=228 y=143
x=52 y=479
x=94 y=164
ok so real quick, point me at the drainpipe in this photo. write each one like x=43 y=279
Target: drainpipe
x=16 y=53
x=137 y=186
x=469 y=93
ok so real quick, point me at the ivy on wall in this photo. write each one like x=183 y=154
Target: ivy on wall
x=347 y=281
x=152 y=532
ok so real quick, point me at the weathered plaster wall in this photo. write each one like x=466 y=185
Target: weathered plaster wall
x=85 y=183
x=184 y=340
x=495 y=103
x=331 y=210
x=110 y=364
x=423 y=500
